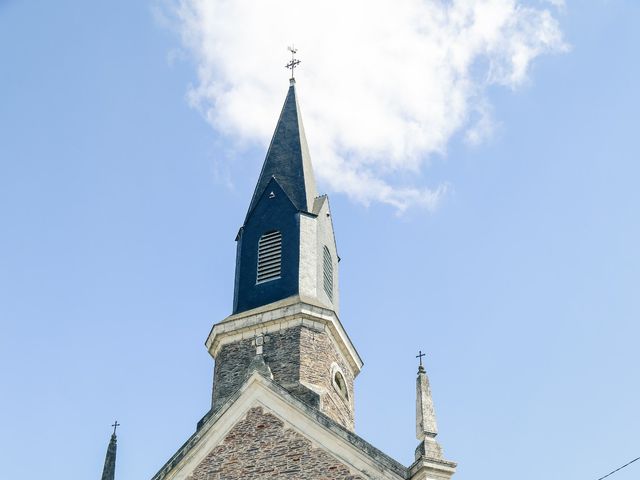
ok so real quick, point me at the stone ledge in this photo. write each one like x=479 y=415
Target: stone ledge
x=444 y=468
x=287 y=313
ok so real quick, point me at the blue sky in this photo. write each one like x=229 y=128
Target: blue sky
x=119 y=206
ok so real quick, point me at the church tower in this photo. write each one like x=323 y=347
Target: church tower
x=286 y=286
x=283 y=391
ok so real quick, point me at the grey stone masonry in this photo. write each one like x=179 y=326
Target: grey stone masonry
x=425 y=413
x=302 y=359
x=273 y=402
x=430 y=463
x=304 y=346
x=260 y=446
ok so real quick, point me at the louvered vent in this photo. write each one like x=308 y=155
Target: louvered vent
x=328 y=273
x=269 y=256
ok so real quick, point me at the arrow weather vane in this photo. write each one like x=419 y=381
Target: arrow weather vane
x=294 y=61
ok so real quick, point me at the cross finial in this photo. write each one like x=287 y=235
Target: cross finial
x=115 y=425
x=294 y=61
x=420 y=355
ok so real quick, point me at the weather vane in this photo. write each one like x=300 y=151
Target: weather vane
x=294 y=61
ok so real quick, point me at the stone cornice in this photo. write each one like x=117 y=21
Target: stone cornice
x=287 y=313
x=423 y=466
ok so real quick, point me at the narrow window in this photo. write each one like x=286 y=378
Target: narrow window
x=341 y=385
x=338 y=381
x=328 y=273
x=269 y=256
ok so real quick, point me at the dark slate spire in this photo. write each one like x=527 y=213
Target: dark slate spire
x=288 y=158
x=109 y=470
x=281 y=244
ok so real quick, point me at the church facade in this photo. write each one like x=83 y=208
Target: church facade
x=283 y=394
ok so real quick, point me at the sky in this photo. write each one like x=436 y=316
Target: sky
x=481 y=158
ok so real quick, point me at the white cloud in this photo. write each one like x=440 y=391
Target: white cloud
x=561 y=4
x=384 y=84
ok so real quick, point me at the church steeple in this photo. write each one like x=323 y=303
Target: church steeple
x=285 y=366
x=109 y=470
x=288 y=160
x=286 y=294
x=286 y=246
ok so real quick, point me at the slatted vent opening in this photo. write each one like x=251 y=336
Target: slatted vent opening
x=269 y=256
x=328 y=273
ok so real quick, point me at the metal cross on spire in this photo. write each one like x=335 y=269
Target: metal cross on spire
x=294 y=61
x=420 y=355
x=115 y=425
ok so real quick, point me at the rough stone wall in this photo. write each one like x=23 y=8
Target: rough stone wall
x=317 y=355
x=260 y=446
x=230 y=369
x=281 y=354
x=295 y=355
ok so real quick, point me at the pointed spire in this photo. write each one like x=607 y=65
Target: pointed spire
x=425 y=413
x=426 y=426
x=288 y=158
x=109 y=470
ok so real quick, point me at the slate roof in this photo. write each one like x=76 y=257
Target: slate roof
x=288 y=158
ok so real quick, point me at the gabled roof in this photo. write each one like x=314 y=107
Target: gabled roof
x=258 y=390
x=288 y=158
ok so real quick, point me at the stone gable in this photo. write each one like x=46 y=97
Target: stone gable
x=261 y=446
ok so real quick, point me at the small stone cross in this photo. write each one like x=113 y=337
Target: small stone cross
x=259 y=342
x=420 y=355
x=115 y=425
